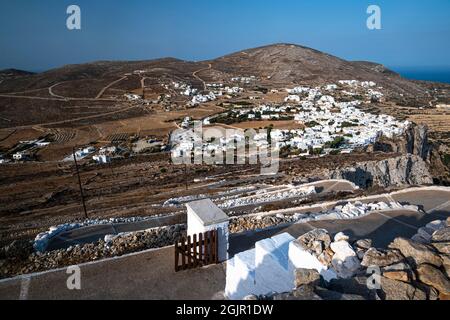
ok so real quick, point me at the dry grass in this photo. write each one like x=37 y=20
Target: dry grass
x=158 y=124
x=438 y=123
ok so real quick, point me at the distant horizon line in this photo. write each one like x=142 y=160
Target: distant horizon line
x=397 y=68
x=192 y=59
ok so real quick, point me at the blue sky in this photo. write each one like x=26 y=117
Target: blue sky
x=33 y=33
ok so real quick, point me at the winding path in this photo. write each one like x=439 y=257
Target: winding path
x=50 y=91
x=99 y=95
x=194 y=74
x=54 y=99
x=74 y=119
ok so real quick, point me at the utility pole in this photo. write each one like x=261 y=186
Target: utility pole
x=185 y=175
x=79 y=183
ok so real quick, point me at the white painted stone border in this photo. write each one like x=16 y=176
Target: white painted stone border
x=334 y=203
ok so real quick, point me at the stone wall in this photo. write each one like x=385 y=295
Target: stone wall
x=409 y=269
x=19 y=258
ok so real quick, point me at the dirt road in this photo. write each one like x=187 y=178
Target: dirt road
x=200 y=79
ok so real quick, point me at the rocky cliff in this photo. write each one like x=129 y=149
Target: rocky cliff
x=414 y=141
x=407 y=169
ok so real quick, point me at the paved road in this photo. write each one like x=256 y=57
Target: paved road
x=150 y=275
x=94 y=233
x=381 y=227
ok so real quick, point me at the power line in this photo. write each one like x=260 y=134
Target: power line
x=79 y=183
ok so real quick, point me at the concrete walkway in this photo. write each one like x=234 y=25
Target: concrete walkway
x=150 y=274
x=381 y=227
x=146 y=275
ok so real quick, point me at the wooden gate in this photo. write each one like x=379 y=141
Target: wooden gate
x=198 y=251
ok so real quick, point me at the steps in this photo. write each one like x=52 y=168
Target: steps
x=269 y=267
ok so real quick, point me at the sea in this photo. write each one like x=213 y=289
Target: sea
x=431 y=74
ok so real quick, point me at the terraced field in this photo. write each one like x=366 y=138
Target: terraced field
x=436 y=122
x=62 y=136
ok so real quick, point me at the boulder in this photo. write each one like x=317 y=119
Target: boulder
x=442 y=247
x=360 y=253
x=433 y=294
x=397 y=275
x=397 y=272
x=354 y=286
x=305 y=292
x=417 y=252
x=375 y=257
x=419 y=239
x=425 y=233
x=432 y=276
x=327 y=294
x=326 y=257
x=306 y=276
x=398 y=267
x=448 y=222
x=345 y=262
x=445 y=297
x=317 y=247
x=436 y=225
x=442 y=235
x=446 y=263
x=341 y=237
x=315 y=241
x=363 y=244
x=398 y=290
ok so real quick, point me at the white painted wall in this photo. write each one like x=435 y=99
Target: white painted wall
x=195 y=226
x=269 y=267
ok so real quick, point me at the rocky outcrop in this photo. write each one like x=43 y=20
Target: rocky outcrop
x=441 y=235
x=414 y=141
x=315 y=241
x=399 y=290
x=403 y=170
x=375 y=257
x=408 y=270
x=416 y=252
x=432 y=276
x=417 y=143
x=338 y=255
x=440 y=240
x=361 y=246
x=306 y=276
